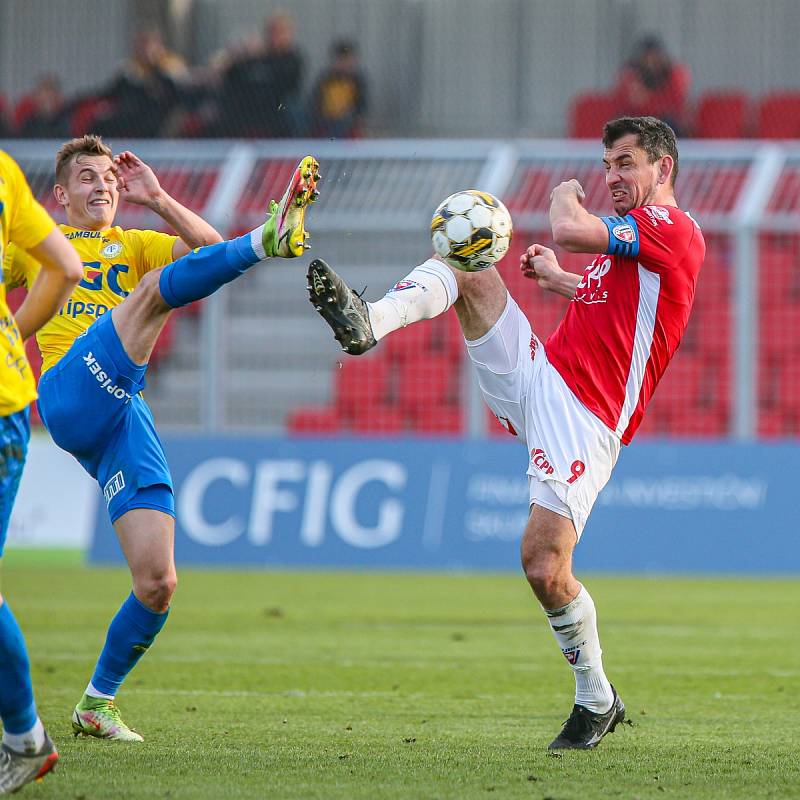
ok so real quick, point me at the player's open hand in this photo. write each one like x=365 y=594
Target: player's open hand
x=137 y=183
x=539 y=263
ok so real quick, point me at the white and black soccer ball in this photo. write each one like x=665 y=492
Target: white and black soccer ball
x=471 y=230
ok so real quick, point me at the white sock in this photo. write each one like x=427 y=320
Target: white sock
x=31 y=741
x=427 y=291
x=575 y=629
x=257 y=242
x=92 y=692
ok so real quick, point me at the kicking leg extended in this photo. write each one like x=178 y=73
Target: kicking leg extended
x=427 y=291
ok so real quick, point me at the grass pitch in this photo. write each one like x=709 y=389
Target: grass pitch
x=320 y=685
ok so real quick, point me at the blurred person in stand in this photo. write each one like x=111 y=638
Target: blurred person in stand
x=260 y=86
x=147 y=92
x=43 y=112
x=339 y=99
x=651 y=83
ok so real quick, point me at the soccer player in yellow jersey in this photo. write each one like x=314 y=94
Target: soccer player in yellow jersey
x=95 y=356
x=26 y=752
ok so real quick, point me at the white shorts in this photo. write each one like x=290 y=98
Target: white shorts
x=571 y=452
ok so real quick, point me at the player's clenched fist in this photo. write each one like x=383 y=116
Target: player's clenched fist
x=571 y=187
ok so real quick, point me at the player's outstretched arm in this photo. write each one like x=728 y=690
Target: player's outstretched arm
x=539 y=263
x=574 y=228
x=138 y=184
x=60 y=273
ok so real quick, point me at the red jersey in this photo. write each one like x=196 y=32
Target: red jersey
x=629 y=313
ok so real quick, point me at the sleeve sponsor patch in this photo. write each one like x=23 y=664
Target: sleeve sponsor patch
x=624 y=233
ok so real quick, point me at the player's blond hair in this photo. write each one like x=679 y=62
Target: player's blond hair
x=90 y=145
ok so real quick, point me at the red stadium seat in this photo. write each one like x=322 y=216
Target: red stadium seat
x=426 y=383
x=778 y=116
x=361 y=384
x=379 y=419
x=442 y=419
x=588 y=113
x=721 y=115
x=313 y=421
x=409 y=343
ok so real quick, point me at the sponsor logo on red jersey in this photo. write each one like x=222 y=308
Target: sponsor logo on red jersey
x=590 y=289
x=658 y=214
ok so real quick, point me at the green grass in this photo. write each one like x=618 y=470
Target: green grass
x=321 y=685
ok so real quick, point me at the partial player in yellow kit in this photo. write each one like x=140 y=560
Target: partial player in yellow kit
x=26 y=752
x=96 y=352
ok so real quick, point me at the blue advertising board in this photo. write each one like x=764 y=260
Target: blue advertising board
x=433 y=504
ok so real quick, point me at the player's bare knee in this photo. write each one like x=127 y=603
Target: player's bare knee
x=547 y=575
x=156 y=590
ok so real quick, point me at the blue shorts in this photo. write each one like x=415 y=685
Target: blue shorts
x=90 y=402
x=15 y=430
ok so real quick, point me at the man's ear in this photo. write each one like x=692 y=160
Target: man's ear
x=665 y=169
x=60 y=195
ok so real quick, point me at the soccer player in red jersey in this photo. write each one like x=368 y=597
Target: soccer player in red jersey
x=576 y=398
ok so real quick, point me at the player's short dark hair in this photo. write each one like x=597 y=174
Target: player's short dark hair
x=90 y=145
x=653 y=135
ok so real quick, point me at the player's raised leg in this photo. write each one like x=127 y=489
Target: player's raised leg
x=283 y=235
x=427 y=291
x=547 y=547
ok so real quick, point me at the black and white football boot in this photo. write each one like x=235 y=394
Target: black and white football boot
x=341 y=307
x=584 y=729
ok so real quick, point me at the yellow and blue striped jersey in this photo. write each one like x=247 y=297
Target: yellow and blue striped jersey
x=114 y=261
x=25 y=222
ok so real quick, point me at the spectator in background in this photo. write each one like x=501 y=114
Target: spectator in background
x=43 y=112
x=260 y=87
x=147 y=92
x=339 y=99
x=652 y=84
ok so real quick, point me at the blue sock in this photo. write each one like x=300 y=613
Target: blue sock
x=17 y=709
x=132 y=631
x=201 y=272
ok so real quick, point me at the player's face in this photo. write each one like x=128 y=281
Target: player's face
x=90 y=195
x=632 y=180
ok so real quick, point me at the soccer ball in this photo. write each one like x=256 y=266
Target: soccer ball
x=471 y=230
